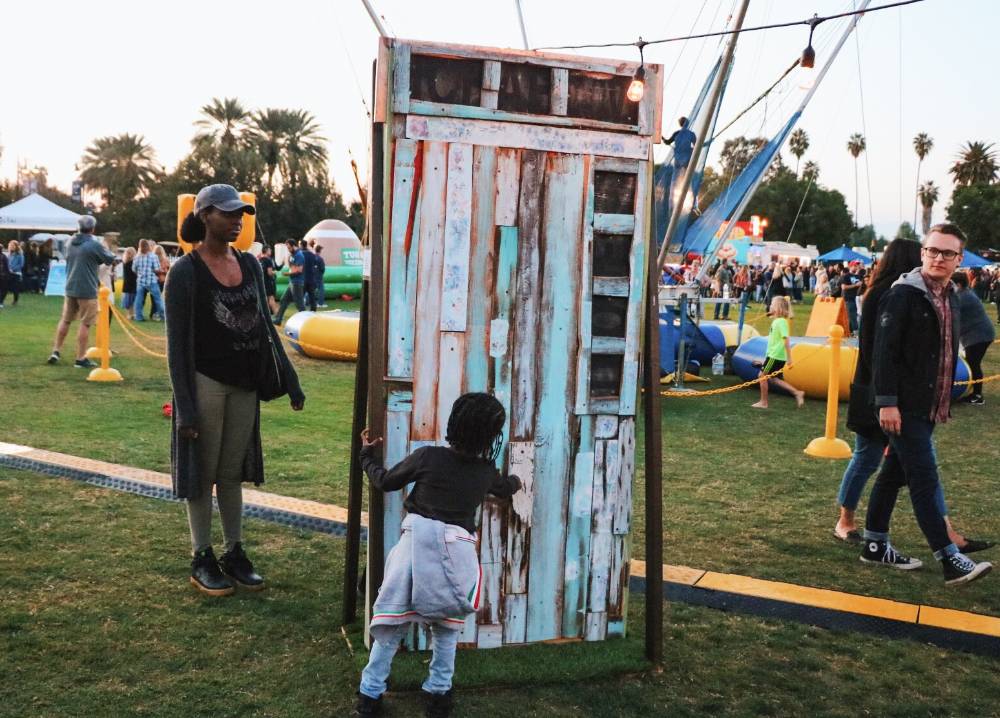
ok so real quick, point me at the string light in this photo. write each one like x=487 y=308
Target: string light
x=809 y=54
x=637 y=87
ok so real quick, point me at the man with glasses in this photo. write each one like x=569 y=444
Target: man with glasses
x=916 y=347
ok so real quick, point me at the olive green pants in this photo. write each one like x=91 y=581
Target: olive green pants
x=225 y=425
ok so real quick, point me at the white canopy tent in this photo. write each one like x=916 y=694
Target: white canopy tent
x=36 y=212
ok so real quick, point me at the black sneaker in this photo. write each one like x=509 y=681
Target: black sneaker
x=53 y=358
x=84 y=364
x=959 y=569
x=977 y=400
x=235 y=564
x=438 y=705
x=206 y=576
x=368 y=706
x=883 y=554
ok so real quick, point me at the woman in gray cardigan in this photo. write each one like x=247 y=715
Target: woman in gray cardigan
x=217 y=327
x=977 y=334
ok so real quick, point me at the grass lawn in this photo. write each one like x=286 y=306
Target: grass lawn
x=96 y=619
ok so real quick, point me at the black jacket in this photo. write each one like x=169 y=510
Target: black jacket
x=907 y=346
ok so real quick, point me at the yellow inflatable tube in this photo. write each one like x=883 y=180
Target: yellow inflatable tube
x=325 y=335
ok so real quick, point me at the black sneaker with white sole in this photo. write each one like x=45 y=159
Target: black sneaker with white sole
x=960 y=569
x=85 y=364
x=53 y=358
x=882 y=553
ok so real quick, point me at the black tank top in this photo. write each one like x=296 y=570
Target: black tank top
x=227 y=323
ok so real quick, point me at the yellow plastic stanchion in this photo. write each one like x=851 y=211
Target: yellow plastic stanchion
x=104 y=372
x=829 y=446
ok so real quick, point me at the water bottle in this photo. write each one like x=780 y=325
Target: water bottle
x=718 y=365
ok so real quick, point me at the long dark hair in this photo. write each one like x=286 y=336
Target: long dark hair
x=902 y=255
x=475 y=426
x=192 y=229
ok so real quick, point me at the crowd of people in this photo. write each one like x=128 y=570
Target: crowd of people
x=24 y=268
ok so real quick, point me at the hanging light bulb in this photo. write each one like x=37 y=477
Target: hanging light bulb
x=637 y=87
x=807 y=78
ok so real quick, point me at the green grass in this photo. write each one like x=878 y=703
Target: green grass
x=97 y=619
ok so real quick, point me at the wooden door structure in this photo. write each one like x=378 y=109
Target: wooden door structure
x=511 y=197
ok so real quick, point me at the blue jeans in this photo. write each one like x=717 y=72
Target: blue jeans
x=911 y=462
x=864 y=462
x=128 y=299
x=852 y=314
x=442 y=666
x=293 y=293
x=140 y=301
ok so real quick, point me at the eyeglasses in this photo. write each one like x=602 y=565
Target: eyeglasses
x=934 y=253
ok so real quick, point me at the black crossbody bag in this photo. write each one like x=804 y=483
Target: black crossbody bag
x=270 y=378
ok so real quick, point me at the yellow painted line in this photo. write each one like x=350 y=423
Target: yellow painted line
x=959 y=621
x=673 y=574
x=808 y=596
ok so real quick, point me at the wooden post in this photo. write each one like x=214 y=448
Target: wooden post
x=653 y=461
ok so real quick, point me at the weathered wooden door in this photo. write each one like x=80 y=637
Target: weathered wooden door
x=515 y=258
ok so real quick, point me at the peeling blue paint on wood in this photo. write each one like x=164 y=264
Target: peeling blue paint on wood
x=399 y=333
x=481 y=263
x=578 y=531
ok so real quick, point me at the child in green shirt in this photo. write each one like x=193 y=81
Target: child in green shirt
x=779 y=353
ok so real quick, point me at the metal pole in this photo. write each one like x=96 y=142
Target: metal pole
x=706 y=121
x=680 y=364
x=743 y=314
x=653 y=462
x=375 y=18
x=520 y=19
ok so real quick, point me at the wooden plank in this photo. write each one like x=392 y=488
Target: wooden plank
x=636 y=295
x=491 y=564
x=470 y=631
x=623 y=506
x=608 y=345
x=489 y=99
x=451 y=358
x=491 y=75
x=597 y=626
x=611 y=286
x=615 y=164
x=616 y=628
x=515 y=618
x=614 y=223
x=383 y=69
x=530 y=137
x=560 y=91
x=490 y=636
x=578 y=531
x=501 y=348
x=508 y=184
x=618 y=577
x=605 y=495
x=483 y=236
x=527 y=297
x=586 y=289
x=397 y=441
x=606 y=427
x=457 y=233
x=404 y=195
x=428 y=295
x=565 y=182
x=604 y=406
x=487 y=111
x=401 y=78
x=519 y=519
x=651 y=114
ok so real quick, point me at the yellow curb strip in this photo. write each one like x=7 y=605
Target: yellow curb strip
x=959 y=621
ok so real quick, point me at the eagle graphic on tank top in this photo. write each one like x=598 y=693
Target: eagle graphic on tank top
x=236 y=309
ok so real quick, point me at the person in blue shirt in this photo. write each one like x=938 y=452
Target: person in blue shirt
x=319 y=272
x=308 y=274
x=683 y=141
x=296 y=282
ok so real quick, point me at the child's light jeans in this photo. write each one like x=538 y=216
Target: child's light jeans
x=442 y=667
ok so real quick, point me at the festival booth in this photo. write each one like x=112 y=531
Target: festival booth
x=37 y=213
x=514 y=189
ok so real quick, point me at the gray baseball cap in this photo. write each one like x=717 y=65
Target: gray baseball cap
x=223 y=197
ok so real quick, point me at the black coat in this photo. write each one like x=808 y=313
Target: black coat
x=907 y=347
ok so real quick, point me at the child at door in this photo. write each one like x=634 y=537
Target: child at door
x=779 y=352
x=432 y=574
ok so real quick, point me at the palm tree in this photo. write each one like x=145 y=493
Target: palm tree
x=798 y=143
x=928 y=194
x=223 y=123
x=856 y=145
x=922 y=145
x=305 y=151
x=810 y=171
x=120 y=167
x=267 y=133
x=976 y=164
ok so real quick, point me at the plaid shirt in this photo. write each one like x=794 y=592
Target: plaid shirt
x=145 y=267
x=939 y=293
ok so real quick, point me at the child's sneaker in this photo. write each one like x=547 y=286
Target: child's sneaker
x=53 y=358
x=883 y=554
x=368 y=706
x=438 y=705
x=959 y=569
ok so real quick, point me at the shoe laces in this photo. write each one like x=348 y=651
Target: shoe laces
x=962 y=562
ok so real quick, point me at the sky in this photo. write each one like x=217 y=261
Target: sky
x=77 y=71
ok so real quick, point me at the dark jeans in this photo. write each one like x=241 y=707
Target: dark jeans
x=292 y=294
x=724 y=308
x=852 y=314
x=911 y=462
x=310 y=296
x=974 y=356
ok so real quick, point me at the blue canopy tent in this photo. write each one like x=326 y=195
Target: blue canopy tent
x=971 y=260
x=843 y=253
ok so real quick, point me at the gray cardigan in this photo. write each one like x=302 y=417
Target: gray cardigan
x=179 y=297
x=976 y=325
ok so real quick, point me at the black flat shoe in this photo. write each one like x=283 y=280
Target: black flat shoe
x=852 y=537
x=973 y=545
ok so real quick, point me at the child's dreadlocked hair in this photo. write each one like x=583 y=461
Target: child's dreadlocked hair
x=475 y=426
